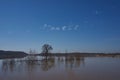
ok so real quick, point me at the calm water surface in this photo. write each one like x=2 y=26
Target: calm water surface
x=60 y=68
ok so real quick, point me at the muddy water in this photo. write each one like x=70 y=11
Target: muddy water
x=60 y=68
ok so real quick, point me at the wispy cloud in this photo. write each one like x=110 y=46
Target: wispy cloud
x=64 y=28
x=58 y=28
x=61 y=28
x=45 y=25
x=76 y=27
x=52 y=28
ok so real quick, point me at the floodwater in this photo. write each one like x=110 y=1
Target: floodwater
x=60 y=68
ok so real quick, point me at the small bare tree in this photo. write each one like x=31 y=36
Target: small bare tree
x=46 y=49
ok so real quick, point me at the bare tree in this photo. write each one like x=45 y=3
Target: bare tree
x=46 y=49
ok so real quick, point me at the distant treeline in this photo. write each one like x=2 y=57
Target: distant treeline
x=20 y=54
x=11 y=54
x=83 y=54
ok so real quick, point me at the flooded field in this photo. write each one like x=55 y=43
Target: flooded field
x=60 y=68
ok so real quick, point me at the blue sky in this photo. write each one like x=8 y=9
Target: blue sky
x=72 y=25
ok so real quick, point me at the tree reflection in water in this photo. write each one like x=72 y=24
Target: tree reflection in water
x=73 y=61
x=8 y=65
x=33 y=63
x=47 y=64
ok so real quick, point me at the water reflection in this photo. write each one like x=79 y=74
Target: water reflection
x=47 y=64
x=62 y=68
x=32 y=63
x=8 y=65
x=73 y=61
